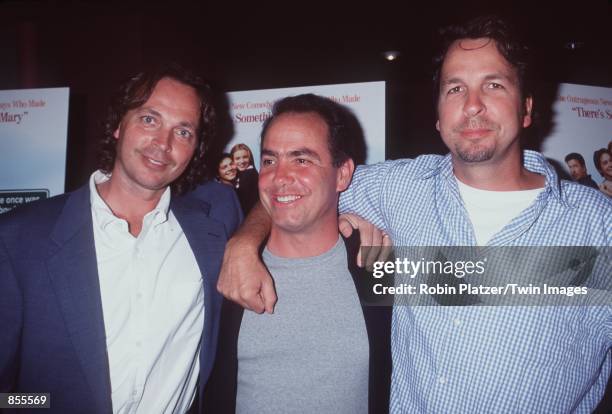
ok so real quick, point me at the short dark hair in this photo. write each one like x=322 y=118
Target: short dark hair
x=507 y=41
x=575 y=156
x=135 y=92
x=341 y=140
x=597 y=158
x=225 y=155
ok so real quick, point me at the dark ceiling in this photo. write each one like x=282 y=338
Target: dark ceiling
x=90 y=46
x=258 y=44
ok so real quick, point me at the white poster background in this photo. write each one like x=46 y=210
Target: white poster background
x=582 y=124
x=249 y=109
x=33 y=135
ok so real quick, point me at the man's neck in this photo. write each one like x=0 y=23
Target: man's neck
x=128 y=203
x=507 y=175
x=303 y=244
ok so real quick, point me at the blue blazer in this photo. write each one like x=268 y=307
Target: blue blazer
x=52 y=335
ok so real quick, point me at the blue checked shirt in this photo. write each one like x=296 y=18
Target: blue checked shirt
x=489 y=359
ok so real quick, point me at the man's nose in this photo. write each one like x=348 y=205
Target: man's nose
x=473 y=105
x=283 y=174
x=163 y=139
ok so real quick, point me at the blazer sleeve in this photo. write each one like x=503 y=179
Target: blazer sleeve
x=224 y=204
x=10 y=321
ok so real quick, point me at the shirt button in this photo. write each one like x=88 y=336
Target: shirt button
x=135 y=393
x=457 y=322
x=138 y=343
x=139 y=295
x=442 y=380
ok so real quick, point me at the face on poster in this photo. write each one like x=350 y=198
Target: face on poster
x=249 y=110
x=33 y=136
x=582 y=124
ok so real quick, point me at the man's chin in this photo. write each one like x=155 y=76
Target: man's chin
x=157 y=183
x=287 y=225
x=474 y=154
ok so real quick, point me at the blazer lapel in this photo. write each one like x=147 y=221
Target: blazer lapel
x=73 y=271
x=205 y=236
x=207 y=239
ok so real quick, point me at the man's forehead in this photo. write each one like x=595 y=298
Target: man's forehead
x=477 y=54
x=299 y=120
x=291 y=147
x=169 y=94
x=292 y=126
x=471 y=47
x=473 y=44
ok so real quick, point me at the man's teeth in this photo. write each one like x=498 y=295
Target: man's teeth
x=152 y=161
x=287 y=198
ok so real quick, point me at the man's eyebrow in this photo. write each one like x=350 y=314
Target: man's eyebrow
x=450 y=81
x=305 y=152
x=187 y=124
x=269 y=152
x=146 y=109
x=501 y=76
x=149 y=111
x=492 y=76
x=300 y=152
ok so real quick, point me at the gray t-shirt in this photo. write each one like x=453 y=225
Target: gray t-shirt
x=311 y=355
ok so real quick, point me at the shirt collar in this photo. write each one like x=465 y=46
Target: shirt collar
x=104 y=216
x=535 y=162
x=532 y=161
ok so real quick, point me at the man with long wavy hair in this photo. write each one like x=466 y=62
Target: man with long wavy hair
x=116 y=280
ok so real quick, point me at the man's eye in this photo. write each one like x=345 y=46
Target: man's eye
x=267 y=162
x=184 y=133
x=455 y=89
x=494 y=85
x=302 y=161
x=148 y=120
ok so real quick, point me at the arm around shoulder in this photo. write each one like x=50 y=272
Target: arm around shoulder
x=366 y=193
x=244 y=279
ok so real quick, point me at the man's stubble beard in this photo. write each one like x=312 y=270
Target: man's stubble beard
x=471 y=152
x=477 y=154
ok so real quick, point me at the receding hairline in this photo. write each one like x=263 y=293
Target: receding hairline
x=298 y=114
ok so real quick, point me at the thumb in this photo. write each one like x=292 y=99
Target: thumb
x=268 y=295
x=345 y=226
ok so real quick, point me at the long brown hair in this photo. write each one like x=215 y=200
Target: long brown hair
x=135 y=92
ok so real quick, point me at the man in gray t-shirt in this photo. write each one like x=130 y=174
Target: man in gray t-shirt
x=320 y=351
x=311 y=355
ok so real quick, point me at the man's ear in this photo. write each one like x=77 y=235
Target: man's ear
x=116 y=133
x=344 y=175
x=528 y=111
x=438 y=125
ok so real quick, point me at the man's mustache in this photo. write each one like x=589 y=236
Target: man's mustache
x=156 y=154
x=476 y=123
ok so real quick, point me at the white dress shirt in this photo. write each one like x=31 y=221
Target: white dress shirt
x=153 y=305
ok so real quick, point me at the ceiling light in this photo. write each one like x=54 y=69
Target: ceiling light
x=391 y=55
x=573 y=45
